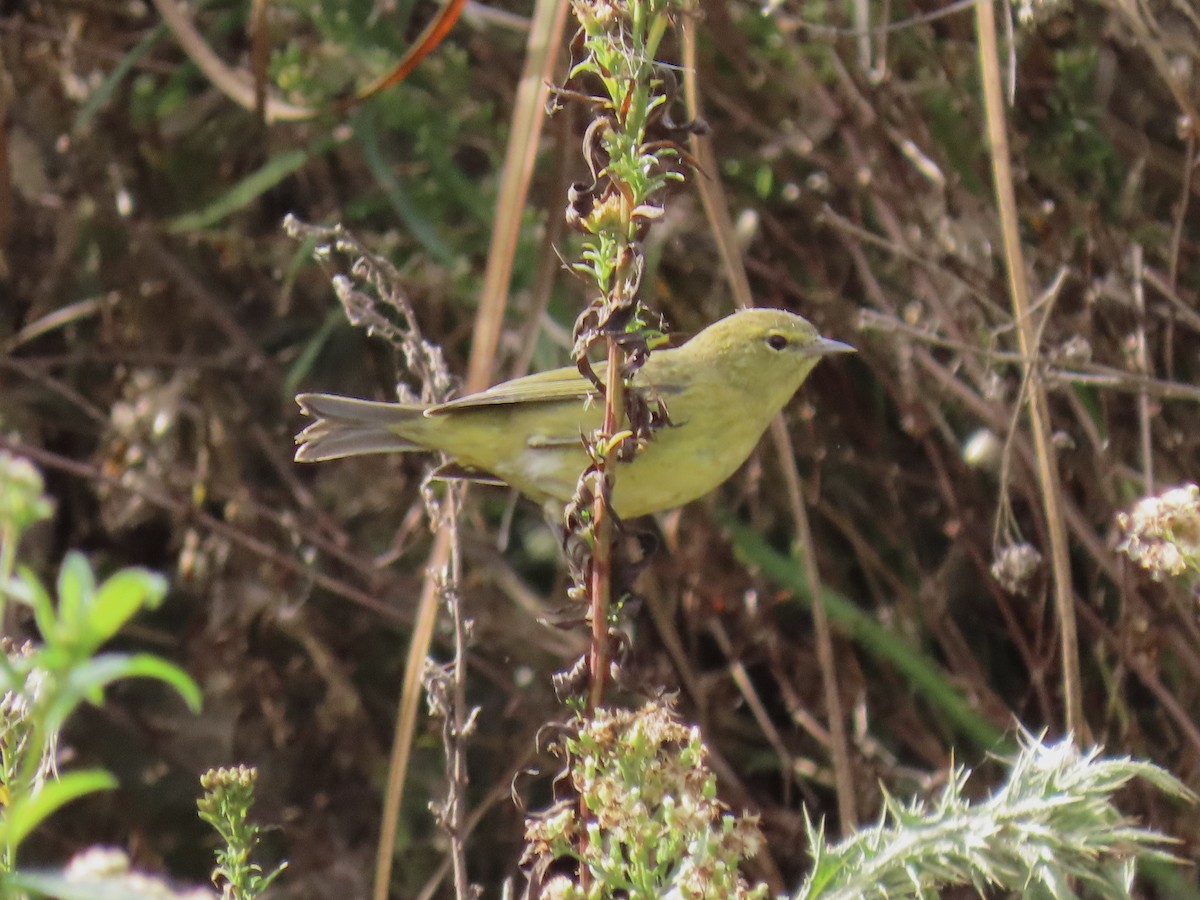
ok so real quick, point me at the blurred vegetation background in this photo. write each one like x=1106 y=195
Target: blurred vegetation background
x=156 y=322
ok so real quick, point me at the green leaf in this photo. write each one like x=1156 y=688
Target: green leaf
x=26 y=812
x=76 y=590
x=120 y=598
x=146 y=665
x=88 y=679
x=27 y=588
x=251 y=187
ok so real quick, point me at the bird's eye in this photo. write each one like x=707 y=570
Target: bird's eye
x=777 y=342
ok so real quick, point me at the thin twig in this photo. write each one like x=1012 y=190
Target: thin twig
x=1142 y=362
x=189 y=512
x=458 y=721
x=758 y=709
x=807 y=552
x=1084 y=373
x=1181 y=208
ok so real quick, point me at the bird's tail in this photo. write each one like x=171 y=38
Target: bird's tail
x=345 y=426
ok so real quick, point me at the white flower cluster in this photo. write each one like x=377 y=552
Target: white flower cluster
x=1162 y=534
x=1015 y=565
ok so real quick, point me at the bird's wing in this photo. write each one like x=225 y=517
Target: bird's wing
x=555 y=386
x=559 y=386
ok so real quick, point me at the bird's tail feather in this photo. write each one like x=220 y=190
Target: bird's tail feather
x=345 y=426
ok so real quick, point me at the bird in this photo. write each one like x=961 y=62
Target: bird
x=720 y=389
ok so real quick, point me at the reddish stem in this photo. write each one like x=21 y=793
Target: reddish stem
x=602 y=530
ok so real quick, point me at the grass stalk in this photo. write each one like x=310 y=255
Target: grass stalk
x=1039 y=414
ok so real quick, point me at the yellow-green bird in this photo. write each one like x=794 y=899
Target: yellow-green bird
x=721 y=390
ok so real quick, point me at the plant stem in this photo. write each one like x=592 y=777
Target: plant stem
x=457 y=717
x=601 y=574
x=1039 y=413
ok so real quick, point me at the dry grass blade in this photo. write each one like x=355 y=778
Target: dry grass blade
x=525 y=130
x=1039 y=418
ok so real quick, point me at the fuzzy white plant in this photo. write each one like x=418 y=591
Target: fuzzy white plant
x=1049 y=831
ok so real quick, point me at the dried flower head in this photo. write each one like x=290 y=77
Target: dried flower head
x=1014 y=567
x=1162 y=534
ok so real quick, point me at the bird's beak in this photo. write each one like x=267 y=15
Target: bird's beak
x=824 y=347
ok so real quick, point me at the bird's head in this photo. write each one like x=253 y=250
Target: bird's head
x=771 y=348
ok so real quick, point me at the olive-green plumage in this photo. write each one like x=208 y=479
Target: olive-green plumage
x=721 y=389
